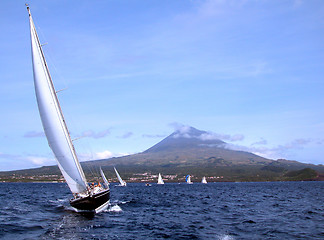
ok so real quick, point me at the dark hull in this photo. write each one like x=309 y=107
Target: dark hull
x=91 y=203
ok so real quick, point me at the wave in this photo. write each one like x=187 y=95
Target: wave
x=114 y=208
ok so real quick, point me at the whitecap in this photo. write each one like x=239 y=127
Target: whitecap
x=225 y=237
x=114 y=208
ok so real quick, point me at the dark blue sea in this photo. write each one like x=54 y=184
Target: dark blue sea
x=269 y=210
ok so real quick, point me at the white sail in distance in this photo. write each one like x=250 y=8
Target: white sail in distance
x=204 y=180
x=160 y=180
x=188 y=179
x=104 y=178
x=52 y=118
x=122 y=182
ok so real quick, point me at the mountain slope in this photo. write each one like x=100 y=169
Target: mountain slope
x=187 y=150
x=189 y=146
x=185 y=139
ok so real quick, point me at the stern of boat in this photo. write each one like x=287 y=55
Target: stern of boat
x=92 y=203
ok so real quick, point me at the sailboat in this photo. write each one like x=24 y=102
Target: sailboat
x=160 y=180
x=122 y=182
x=104 y=178
x=203 y=180
x=85 y=198
x=188 y=179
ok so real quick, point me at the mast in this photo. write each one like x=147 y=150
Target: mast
x=54 y=125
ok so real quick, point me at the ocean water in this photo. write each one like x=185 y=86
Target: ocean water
x=278 y=210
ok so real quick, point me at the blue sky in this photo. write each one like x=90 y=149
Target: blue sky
x=248 y=72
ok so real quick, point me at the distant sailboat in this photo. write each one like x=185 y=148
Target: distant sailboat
x=204 y=180
x=188 y=179
x=122 y=182
x=160 y=180
x=104 y=178
x=85 y=198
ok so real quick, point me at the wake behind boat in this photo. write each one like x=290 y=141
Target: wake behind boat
x=85 y=198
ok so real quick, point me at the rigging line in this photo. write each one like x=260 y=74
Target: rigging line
x=94 y=170
x=58 y=75
x=61 y=90
x=87 y=154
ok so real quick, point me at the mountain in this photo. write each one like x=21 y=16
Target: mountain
x=190 y=151
x=190 y=147
x=186 y=138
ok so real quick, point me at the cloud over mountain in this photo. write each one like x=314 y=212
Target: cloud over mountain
x=185 y=131
x=225 y=137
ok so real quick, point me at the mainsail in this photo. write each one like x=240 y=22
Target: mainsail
x=160 y=180
x=122 y=182
x=52 y=118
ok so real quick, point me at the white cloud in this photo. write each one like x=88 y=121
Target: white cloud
x=261 y=142
x=183 y=135
x=108 y=154
x=153 y=135
x=96 y=135
x=83 y=157
x=181 y=130
x=184 y=132
x=179 y=127
x=33 y=134
x=208 y=136
x=184 y=129
x=41 y=161
x=127 y=135
x=16 y=161
x=226 y=137
x=104 y=154
x=279 y=151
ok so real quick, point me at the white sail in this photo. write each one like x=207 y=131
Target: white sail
x=204 y=180
x=188 y=179
x=160 y=180
x=104 y=178
x=122 y=182
x=53 y=122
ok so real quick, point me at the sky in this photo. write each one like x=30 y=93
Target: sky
x=132 y=72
